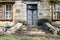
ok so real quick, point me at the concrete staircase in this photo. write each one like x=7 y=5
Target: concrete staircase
x=32 y=30
x=25 y=30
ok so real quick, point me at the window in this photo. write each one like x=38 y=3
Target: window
x=6 y=12
x=0 y=12
x=56 y=13
x=57 y=7
x=32 y=6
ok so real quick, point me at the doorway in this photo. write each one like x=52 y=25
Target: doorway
x=32 y=14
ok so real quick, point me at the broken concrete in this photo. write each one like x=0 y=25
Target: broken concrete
x=14 y=28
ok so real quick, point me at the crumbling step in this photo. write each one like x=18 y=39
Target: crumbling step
x=32 y=29
x=14 y=28
x=35 y=33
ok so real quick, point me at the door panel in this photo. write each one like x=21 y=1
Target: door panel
x=29 y=17
x=32 y=15
x=35 y=16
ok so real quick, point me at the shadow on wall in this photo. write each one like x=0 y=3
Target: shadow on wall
x=41 y=24
x=42 y=21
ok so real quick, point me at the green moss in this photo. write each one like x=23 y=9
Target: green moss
x=26 y=38
x=29 y=38
x=9 y=38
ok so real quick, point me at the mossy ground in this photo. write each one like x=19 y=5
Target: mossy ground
x=28 y=38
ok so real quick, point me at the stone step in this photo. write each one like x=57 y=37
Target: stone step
x=30 y=28
x=35 y=30
x=35 y=33
x=14 y=28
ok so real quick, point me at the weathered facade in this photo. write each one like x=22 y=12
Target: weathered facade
x=27 y=10
x=14 y=10
x=55 y=12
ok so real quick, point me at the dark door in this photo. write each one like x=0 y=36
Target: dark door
x=32 y=14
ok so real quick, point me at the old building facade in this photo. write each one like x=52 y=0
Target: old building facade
x=27 y=10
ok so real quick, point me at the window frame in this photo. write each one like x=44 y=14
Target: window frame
x=8 y=12
x=3 y=12
x=54 y=12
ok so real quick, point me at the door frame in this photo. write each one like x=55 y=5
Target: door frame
x=32 y=13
